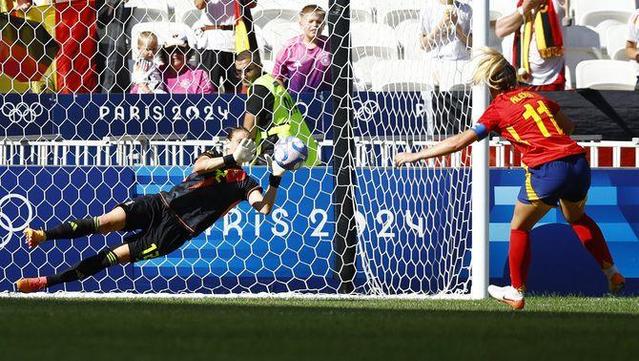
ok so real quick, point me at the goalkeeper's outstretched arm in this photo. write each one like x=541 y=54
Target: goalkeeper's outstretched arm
x=263 y=203
x=447 y=146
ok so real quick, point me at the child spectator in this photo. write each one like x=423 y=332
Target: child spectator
x=179 y=77
x=304 y=63
x=146 y=77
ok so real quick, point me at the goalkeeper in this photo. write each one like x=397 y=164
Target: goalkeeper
x=168 y=219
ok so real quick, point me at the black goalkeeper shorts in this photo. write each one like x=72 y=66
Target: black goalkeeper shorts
x=159 y=233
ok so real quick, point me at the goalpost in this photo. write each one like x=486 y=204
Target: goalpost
x=354 y=225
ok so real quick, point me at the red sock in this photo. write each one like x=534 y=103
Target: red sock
x=591 y=237
x=519 y=258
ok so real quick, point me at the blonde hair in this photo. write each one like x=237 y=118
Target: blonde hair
x=494 y=70
x=147 y=37
x=316 y=9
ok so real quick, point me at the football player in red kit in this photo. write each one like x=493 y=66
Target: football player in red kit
x=557 y=172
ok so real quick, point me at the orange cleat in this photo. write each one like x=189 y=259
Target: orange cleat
x=616 y=283
x=33 y=237
x=28 y=285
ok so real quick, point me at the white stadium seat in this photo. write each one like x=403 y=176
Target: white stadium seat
x=363 y=70
x=401 y=75
x=602 y=30
x=616 y=41
x=606 y=74
x=373 y=40
x=285 y=10
x=587 y=10
x=500 y=8
x=581 y=43
x=394 y=12
x=277 y=32
x=596 y=17
x=408 y=33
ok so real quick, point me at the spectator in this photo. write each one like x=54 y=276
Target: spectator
x=446 y=29
x=179 y=77
x=631 y=42
x=271 y=113
x=304 y=63
x=216 y=38
x=539 y=66
x=146 y=74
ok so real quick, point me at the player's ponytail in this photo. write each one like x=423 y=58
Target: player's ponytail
x=494 y=70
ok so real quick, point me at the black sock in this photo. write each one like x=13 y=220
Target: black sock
x=85 y=268
x=73 y=229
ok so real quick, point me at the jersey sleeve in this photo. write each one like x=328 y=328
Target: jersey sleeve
x=259 y=103
x=249 y=185
x=488 y=122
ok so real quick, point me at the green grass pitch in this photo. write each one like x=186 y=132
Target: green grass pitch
x=551 y=328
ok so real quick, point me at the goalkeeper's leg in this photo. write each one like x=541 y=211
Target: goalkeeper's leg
x=83 y=269
x=109 y=222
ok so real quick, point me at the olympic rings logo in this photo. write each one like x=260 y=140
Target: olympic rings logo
x=365 y=111
x=7 y=223
x=22 y=112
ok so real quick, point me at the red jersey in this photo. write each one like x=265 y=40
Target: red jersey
x=527 y=120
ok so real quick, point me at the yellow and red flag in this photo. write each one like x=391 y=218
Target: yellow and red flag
x=49 y=47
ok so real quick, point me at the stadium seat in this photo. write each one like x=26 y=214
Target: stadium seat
x=373 y=40
x=606 y=74
x=362 y=12
x=602 y=30
x=394 y=12
x=285 y=10
x=500 y=8
x=363 y=70
x=408 y=33
x=585 y=12
x=277 y=32
x=596 y=17
x=581 y=43
x=189 y=17
x=616 y=41
x=401 y=75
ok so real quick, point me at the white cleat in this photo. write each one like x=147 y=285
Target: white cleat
x=508 y=295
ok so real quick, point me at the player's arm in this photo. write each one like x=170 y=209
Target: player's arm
x=564 y=122
x=244 y=152
x=263 y=203
x=447 y=146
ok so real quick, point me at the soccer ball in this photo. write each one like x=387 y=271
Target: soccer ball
x=290 y=152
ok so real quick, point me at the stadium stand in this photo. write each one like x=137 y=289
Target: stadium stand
x=588 y=12
x=596 y=74
x=616 y=41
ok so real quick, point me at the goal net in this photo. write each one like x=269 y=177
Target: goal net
x=97 y=108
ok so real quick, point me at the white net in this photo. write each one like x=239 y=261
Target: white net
x=104 y=101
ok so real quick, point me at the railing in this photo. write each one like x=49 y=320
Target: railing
x=172 y=150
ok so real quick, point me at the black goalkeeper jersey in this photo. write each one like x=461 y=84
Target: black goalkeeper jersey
x=201 y=199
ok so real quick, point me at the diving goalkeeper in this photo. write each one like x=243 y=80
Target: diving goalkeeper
x=168 y=219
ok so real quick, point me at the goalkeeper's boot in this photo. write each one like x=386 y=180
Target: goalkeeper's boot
x=28 y=285
x=508 y=295
x=34 y=237
x=616 y=283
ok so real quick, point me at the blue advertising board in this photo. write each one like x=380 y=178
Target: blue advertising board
x=95 y=116
x=292 y=247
